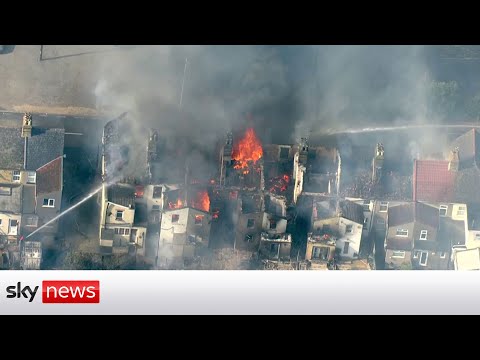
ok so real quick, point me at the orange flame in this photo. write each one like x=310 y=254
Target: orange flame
x=279 y=184
x=176 y=205
x=247 y=150
x=201 y=201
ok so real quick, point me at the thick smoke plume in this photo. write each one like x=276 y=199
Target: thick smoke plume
x=284 y=92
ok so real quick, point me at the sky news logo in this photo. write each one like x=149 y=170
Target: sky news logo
x=59 y=292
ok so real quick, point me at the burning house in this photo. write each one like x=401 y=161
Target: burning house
x=126 y=168
x=185 y=226
x=248 y=221
x=241 y=162
x=124 y=221
x=275 y=242
x=340 y=222
x=320 y=251
x=383 y=177
x=317 y=170
x=31 y=184
x=278 y=170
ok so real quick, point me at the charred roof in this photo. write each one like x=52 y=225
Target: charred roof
x=122 y=194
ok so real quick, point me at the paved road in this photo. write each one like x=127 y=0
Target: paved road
x=63 y=81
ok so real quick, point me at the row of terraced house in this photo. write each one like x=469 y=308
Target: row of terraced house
x=290 y=207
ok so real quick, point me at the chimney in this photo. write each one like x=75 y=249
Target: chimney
x=303 y=151
x=27 y=126
x=454 y=160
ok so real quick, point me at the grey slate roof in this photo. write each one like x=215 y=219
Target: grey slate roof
x=44 y=146
x=352 y=211
x=11 y=149
x=123 y=195
x=451 y=233
x=12 y=203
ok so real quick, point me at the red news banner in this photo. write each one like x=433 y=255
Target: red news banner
x=67 y=292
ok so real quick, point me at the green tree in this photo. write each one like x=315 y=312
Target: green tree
x=443 y=98
x=472 y=107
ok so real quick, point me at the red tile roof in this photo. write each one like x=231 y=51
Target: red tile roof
x=49 y=177
x=432 y=181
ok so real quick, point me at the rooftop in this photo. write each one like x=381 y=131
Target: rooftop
x=451 y=232
x=351 y=211
x=413 y=212
x=467 y=259
x=43 y=146
x=12 y=203
x=49 y=177
x=468 y=145
x=125 y=156
x=12 y=148
x=122 y=194
x=432 y=181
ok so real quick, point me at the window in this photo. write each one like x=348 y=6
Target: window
x=443 y=255
x=443 y=210
x=349 y=229
x=366 y=205
x=119 y=215
x=4 y=190
x=477 y=236
x=248 y=237
x=273 y=224
x=398 y=254
x=175 y=218
x=423 y=258
x=122 y=231
x=156 y=207
x=198 y=219
x=423 y=235
x=48 y=203
x=16 y=175
x=274 y=247
x=383 y=206
x=32 y=177
x=284 y=152
x=13 y=227
x=157 y=192
x=415 y=254
x=345 y=247
x=320 y=252
x=250 y=223
x=402 y=232
x=461 y=211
